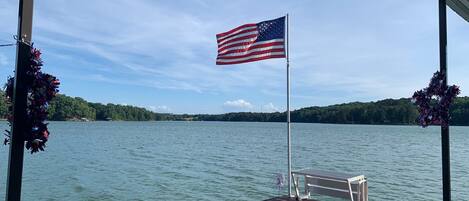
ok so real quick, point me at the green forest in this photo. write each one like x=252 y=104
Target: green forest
x=388 y=111
x=66 y=108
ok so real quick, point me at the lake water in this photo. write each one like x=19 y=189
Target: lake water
x=232 y=161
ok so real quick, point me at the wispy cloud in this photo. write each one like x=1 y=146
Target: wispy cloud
x=269 y=107
x=238 y=105
x=339 y=56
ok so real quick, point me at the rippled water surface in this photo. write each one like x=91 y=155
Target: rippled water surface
x=233 y=161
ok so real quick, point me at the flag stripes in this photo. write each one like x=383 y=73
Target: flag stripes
x=252 y=52
x=242 y=48
x=252 y=42
x=250 y=59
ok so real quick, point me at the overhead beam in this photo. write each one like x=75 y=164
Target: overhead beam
x=461 y=7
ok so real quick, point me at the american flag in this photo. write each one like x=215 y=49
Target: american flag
x=252 y=42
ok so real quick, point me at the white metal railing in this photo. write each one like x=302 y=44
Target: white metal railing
x=354 y=188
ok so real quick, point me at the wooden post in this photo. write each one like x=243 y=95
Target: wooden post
x=15 y=162
x=445 y=146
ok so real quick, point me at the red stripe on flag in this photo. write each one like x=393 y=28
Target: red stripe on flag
x=236 y=44
x=241 y=32
x=250 y=48
x=235 y=29
x=237 y=39
x=251 y=60
x=251 y=54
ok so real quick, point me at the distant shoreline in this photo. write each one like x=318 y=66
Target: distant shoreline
x=383 y=112
x=410 y=125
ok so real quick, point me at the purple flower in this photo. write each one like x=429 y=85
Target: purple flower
x=42 y=88
x=439 y=113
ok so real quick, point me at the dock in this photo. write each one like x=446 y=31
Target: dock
x=286 y=198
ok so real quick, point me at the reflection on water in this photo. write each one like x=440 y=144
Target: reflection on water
x=233 y=161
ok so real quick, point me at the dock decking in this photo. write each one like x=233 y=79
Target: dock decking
x=286 y=198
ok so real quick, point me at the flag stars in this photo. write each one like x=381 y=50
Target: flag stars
x=272 y=29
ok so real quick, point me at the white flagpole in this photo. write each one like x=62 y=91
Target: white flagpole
x=288 y=113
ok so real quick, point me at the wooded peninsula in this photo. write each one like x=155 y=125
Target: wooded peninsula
x=388 y=111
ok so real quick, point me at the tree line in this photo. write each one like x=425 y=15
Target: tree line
x=66 y=108
x=388 y=111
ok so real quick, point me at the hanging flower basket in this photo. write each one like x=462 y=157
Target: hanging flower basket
x=435 y=111
x=41 y=88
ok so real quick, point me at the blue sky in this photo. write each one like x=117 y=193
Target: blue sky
x=161 y=54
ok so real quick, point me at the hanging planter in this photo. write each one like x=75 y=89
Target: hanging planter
x=41 y=88
x=435 y=112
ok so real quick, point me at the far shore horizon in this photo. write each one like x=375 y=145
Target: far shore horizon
x=380 y=112
x=344 y=124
